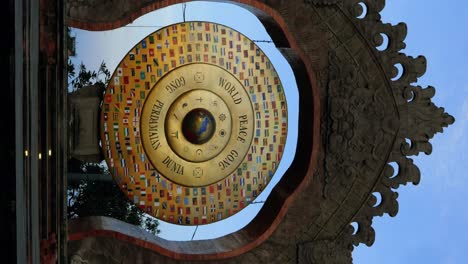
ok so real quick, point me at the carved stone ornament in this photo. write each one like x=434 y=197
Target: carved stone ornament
x=323 y=2
x=367 y=113
x=377 y=116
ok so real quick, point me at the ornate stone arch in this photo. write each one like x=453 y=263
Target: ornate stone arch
x=366 y=114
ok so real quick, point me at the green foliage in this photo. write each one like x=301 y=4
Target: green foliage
x=71 y=43
x=151 y=225
x=70 y=69
x=98 y=198
x=94 y=198
x=87 y=77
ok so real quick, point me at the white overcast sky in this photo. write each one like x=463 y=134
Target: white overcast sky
x=432 y=223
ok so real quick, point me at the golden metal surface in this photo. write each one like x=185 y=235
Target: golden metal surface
x=191 y=101
x=146 y=80
x=191 y=87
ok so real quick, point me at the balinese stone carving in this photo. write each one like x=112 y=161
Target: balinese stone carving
x=372 y=111
x=418 y=118
x=337 y=251
x=323 y=2
x=373 y=116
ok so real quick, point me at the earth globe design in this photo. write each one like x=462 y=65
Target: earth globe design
x=198 y=126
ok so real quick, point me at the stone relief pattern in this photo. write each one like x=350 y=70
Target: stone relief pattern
x=419 y=118
x=323 y=2
x=358 y=142
x=358 y=102
x=106 y=10
x=325 y=251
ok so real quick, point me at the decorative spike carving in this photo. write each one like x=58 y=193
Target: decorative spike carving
x=423 y=120
x=361 y=115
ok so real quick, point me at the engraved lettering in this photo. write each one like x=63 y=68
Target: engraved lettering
x=173 y=166
x=231 y=90
x=175 y=84
x=228 y=160
x=243 y=122
x=154 y=124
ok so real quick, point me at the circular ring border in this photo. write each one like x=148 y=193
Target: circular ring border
x=238 y=183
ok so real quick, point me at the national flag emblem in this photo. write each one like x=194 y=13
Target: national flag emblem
x=129 y=100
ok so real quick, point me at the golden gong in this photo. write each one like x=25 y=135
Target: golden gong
x=194 y=123
x=197 y=124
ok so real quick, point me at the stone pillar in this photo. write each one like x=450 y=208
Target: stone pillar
x=83 y=123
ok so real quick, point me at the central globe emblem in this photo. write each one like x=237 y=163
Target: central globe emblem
x=198 y=126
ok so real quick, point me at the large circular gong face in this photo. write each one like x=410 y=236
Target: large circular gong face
x=194 y=123
x=197 y=124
